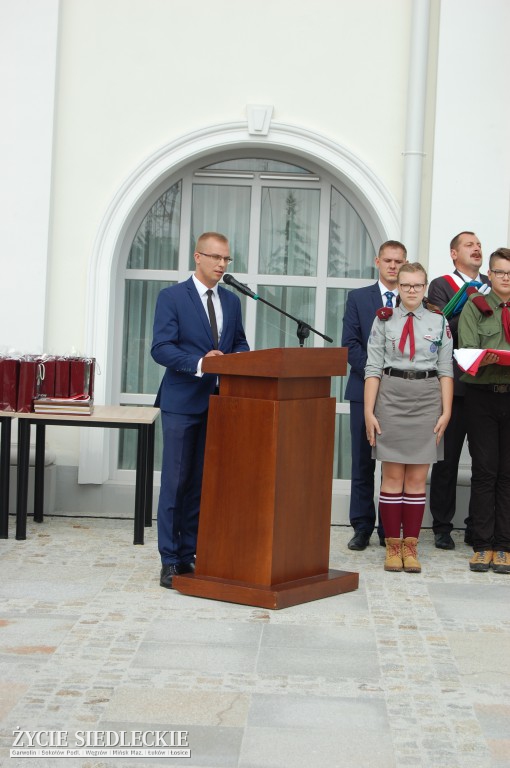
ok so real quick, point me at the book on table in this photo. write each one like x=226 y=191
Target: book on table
x=68 y=405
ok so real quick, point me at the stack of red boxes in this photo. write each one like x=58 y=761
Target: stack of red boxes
x=47 y=384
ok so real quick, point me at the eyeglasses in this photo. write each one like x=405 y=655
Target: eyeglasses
x=406 y=287
x=499 y=273
x=216 y=257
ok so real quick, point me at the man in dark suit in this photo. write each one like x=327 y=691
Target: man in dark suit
x=193 y=320
x=466 y=253
x=362 y=304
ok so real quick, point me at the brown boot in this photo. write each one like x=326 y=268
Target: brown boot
x=393 y=560
x=410 y=555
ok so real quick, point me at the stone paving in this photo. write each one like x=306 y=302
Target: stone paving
x=409 y=671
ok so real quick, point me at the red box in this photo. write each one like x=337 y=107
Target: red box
x=81 y=377
x=27 y=383
x=92 y=376
x=9 y=376
x=46 y=380
x=62 y=376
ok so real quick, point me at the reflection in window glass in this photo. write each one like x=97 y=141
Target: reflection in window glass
x=286 y=217
x=351 y=252
x=257 y=165
x=156 y=243
x=242 y=298
x=289 y=229
x=128 y=447
x=342 y=459
x=224 y=209
x=335 y=310
x=273 y=328
x=140 y=374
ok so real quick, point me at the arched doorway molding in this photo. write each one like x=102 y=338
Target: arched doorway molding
x=118 y=223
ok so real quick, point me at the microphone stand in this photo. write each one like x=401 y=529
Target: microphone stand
x=303 y=329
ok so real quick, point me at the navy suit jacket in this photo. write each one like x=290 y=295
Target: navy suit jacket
x=182 y=335
x=362 y=304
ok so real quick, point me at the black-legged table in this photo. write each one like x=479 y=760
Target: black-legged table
x=122 y=417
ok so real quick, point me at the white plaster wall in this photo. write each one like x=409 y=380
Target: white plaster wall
x=137 y=74
x=471 y=168
x=134 y=75
x=28 y=50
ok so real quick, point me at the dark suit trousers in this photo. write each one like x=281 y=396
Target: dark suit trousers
x=488 y=423
x=181 y=485
x=443 y=480
x=362 y=508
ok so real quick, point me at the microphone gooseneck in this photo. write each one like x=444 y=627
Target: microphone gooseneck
x=303 y=329
x=241 y=287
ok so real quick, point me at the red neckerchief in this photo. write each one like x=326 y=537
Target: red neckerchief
x=408 y=331
x=505 y=318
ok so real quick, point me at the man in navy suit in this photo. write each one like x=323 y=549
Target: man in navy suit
x=362 y=304
x=193 y=320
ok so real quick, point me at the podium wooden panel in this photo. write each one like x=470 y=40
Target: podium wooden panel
x=265 y=515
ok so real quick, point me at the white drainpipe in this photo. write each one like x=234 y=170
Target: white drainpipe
x=413 y=153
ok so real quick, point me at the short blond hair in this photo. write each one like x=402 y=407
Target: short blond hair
x=205 y=236
x=413 y=266
x=393 y=244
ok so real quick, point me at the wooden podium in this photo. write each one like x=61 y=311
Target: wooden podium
x=265 y=515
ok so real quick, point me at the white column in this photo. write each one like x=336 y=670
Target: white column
x=28 y=49
x=471 y=169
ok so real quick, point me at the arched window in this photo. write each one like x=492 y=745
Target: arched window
x=296 y=237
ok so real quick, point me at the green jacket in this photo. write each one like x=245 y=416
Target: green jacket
x=476 y=331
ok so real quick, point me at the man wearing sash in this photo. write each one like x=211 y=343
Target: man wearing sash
x=449 y=294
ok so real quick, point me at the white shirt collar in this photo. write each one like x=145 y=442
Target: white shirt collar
x=468 y=279
x=201 y=288
x=383 y=289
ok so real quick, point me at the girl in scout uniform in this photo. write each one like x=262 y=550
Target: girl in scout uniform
x=408 y=398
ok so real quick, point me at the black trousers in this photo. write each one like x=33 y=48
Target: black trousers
x=443 y=479
x=362 y=514
x=488 y=423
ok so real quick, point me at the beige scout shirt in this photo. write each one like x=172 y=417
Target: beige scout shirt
x=433 y=344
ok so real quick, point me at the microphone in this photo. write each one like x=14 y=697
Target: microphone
x=303 y=328
x=241 y=287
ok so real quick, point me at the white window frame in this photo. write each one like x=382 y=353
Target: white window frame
x=372 y=200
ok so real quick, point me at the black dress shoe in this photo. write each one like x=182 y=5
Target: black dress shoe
x=167 y=574
x=359 y=541
x=382 y=541
x=187 y=567
x=468 y=537
x=443 y=541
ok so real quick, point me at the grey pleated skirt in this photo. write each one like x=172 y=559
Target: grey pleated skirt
x=407 y=411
